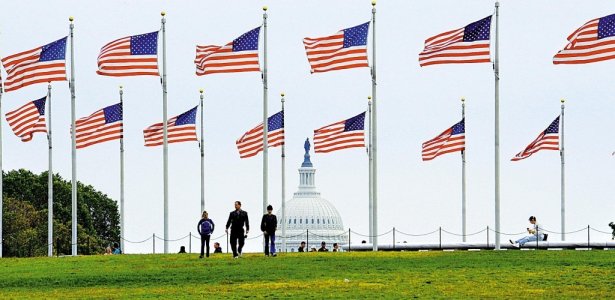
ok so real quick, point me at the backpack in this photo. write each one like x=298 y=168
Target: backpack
x=206 y=227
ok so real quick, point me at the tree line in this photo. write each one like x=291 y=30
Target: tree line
x=25 y=210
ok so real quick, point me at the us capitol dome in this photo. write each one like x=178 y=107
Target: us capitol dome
x=308 y=212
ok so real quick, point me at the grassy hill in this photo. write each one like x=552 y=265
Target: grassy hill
x=484 y=274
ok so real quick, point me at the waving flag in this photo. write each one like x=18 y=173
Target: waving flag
x=41 y=64
x=28 y=119
x=130 y=56
x=102 y=126
x=240 y=55
x=468 y=44
x=181 y=128
x=251 y=143
x=546 y=140
x=344 y=50
x=451 y=140
x=341 y=135
x=592 y=42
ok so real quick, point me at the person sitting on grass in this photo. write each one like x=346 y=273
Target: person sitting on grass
x=182 y=249
x=302 y=247
x=323 y=247
x=116 y=249
x=536 y=234
x=612 y=225
x=108 y=251
x=217 y=248
x=336 y=247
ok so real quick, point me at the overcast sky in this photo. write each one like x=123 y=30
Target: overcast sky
x=415 y=104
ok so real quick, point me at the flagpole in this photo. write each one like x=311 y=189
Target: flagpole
x=374 y=137
x=49 y=178
x=370 y=167
x=265 y=122
x=283 y=181
x=496 y=69
x=563 y=183
x=463 y=177
x=74 y=143
x=1 y=171
x=202 y=157
x=122 y=224
x=165 y=148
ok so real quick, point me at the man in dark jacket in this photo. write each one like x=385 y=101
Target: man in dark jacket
x=236 y=220
x=269 y=224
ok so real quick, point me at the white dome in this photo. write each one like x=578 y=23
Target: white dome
x=307 y=212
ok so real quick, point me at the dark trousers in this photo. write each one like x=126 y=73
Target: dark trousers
x=237 y=237
x=205 y=243
x=271 y=247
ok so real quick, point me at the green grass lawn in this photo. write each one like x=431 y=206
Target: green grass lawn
x=484 y=274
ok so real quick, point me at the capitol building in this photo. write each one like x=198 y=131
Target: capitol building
x=307 y=212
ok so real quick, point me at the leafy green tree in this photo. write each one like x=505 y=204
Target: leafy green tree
x=25 y=216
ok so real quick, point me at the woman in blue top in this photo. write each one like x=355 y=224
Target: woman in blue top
x=205 y=229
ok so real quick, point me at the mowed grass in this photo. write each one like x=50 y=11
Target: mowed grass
x=459 y=274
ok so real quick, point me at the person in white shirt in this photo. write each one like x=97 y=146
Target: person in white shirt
x=536 y=233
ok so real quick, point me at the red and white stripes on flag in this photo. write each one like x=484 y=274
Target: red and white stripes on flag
x=344 y=50
x=28 y=119
x=592 y=42
x=181 y=128
x=468 y=44
x=130 y=56
x=41 y=64
x=102 y=126
x=345 y=134
x=240 y=55
x=251 y=143
x=546 y=140
x=451 y=140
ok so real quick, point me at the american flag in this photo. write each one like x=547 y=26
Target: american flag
x=240 y=55
x=468 y=44
x=592 y=42
x=341 y=135
x=28 y=119
x=181 y=128
x=344 y=50
x=41 y=64
x=546 y=140
x=251 y=143
x=102 y=126
x=130 y=56
x=451 y=140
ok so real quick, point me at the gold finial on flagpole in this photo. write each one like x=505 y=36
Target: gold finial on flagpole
x=373 y=2
x=162 y=13
x=282 y=94
x=369 y=99
x=265 y=8
x=121 y=87
x=562 y=101
x=71 y=19
x=463 y=100
x=201 y=91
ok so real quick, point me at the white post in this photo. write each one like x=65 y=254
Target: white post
x=374 y=137
x=1 y=172
x=496 y=69
x=74 y=143
x=370 y=168
x=201 y=146
x=265 y=117
x=563 y=183
x=49 y=178
x=463 y=178
x=165 y=146
x=283 y=180
x=122 y=224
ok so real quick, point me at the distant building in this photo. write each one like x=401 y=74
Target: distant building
x=308 y=212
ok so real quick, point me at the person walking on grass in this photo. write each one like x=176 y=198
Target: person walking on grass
x=205 y=229
x=536 y=233
x=237 y=219
x=269 y=224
